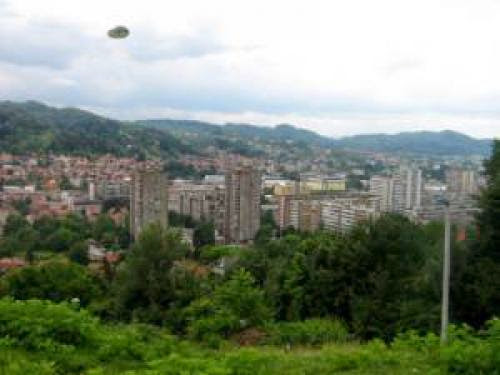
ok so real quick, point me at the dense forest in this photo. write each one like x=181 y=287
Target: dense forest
x=32 y=127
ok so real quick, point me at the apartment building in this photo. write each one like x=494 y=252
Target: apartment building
x=148 y=201
x=242 y=201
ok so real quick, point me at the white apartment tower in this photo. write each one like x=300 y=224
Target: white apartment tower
x=400 y=192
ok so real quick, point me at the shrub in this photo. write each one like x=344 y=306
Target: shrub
x=42 y=325
x=138 y=342
x=469 y=353
x=307 y=332
x=54 y=280
x=13 y=363
x=234 y=306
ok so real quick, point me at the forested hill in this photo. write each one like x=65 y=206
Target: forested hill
x=278 y=133
x=34 y=127
x=418 y=143
x=425 y=143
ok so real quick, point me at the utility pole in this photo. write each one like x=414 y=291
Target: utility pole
x=446 y=275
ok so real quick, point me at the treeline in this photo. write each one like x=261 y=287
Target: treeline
x=32 y=127
x=364 y=279
x=68 y=236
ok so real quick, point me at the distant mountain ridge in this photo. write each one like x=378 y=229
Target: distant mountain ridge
x=35 y=127
x=277 y=133
x=446 y=142
x=27 y=127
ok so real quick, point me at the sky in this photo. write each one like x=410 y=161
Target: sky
x=336 y=67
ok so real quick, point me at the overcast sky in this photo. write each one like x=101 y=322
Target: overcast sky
x=336 y=67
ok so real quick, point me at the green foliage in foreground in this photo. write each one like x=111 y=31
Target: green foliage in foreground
x=53 y=280
x=232 y=307
x=44 y=338
x=307 y=332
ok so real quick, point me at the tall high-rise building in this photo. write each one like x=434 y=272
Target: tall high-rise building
x=400 y=192
x=148 y=200
x=409 y=186
x=342 y=214
x=200 y=201
x=383 y=187
x=243 y=189
x=462 y=181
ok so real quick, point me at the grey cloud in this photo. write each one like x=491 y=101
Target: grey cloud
x=45 y=44
x=146 y=46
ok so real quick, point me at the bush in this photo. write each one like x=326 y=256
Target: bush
x=234 y=306
x=469 y=354
x=209 y=254
x=69 y=340
x=13 y=363
x=307 y=332
x=41 y=325
x=55 y=280
x=138 y=342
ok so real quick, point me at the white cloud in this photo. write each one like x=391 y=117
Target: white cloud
x=333 y=66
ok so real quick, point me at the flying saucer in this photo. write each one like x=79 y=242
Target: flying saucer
x=118 y=32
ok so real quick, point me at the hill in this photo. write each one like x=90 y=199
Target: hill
x=418 y=143
x=34 y=127
x=244 y=139
x=278 y=133
x=425 y=143
x=27 y=127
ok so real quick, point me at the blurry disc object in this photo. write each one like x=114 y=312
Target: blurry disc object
x=118 y=32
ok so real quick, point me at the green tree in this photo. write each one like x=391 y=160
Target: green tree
x=477 y=294
x=144 y=287
x=489 y=218
x=233 y=306
x=61 y=240
x=390 y=280
x=22 y=206
x=56 y=281
x=19 y=237
x=14 y=223
x=46 y=225
x=204 y=234
x=104 y=230
x=267 y=228
x=79 y=253
x=180 y=220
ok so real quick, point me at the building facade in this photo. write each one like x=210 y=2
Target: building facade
x=319 y=183
x=342 y=214
x=400 y=192
x=242 y=201
x=148 y=200
x=462 y=181
x=200 y=201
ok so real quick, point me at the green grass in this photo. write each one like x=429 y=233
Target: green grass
x=44 y=338
x=191 y=359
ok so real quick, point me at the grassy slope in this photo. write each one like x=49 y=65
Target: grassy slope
x=43 y=338
x=189 y=358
